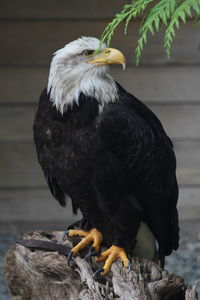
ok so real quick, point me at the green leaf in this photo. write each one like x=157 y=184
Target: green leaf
x=180 y=13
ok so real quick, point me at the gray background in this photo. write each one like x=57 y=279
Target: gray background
x=30 y=31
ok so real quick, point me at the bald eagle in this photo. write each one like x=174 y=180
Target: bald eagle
x=105 y=150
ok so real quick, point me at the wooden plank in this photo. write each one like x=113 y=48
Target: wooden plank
x=179 y=121
x=19 y=165
x=189 y=204
x=188 y=162
x=70 y=9
x=156 y=84
x=161 y=84
x=33 y=205
x=16 y=123
x=25 y=43
x=22 y=85
x=39 y=206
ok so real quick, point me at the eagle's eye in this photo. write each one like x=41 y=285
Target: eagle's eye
x=88 y=53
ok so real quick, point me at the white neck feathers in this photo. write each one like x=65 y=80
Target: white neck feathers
x=67 y=83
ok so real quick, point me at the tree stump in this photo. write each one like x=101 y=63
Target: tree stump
x=45 y=275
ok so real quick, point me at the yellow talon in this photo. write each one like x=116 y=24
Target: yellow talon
x=92 y=236
x=110 y=255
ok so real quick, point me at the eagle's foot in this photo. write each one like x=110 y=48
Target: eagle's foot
x=91 y=236
x=110 y=255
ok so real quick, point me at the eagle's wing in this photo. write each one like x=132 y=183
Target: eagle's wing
x=47 y=135
x=144 y=163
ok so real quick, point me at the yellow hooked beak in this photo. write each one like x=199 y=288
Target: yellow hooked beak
x=109 y=56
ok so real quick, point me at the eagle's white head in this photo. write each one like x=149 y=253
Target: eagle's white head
x=77 y=69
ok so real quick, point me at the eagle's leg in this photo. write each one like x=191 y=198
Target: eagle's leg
x=93 y=236
x=110 y=255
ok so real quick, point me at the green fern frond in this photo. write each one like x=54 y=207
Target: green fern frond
x=139 y=8
x=110 y=28
x=128 y=12
x=179 y=14
x=197 y=21
x=165 y=12
x=161 y=12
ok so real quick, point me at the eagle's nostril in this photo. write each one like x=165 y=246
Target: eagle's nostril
x=107 y=51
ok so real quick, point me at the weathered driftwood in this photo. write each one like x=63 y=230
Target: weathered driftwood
x=45 y=275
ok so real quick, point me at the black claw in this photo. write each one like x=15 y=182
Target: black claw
x=129 y=266
x=65 y=233
x=97 y=272
x=70 y=258
x=92 y=252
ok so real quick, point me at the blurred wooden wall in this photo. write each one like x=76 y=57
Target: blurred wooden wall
x=30 y=31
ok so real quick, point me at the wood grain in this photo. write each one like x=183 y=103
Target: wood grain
x=20 y=168
x=179 y=121
x=22 y=85
x=188 y=205
x=16 y=123
x=39 y=206
x=33 y=205
x=155 y=84
x=47 y=9
x=48 y=275
x=33 y=43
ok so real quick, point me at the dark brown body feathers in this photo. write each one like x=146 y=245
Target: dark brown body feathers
x=118 y=167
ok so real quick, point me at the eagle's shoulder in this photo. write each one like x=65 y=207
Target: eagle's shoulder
x=151 y=120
